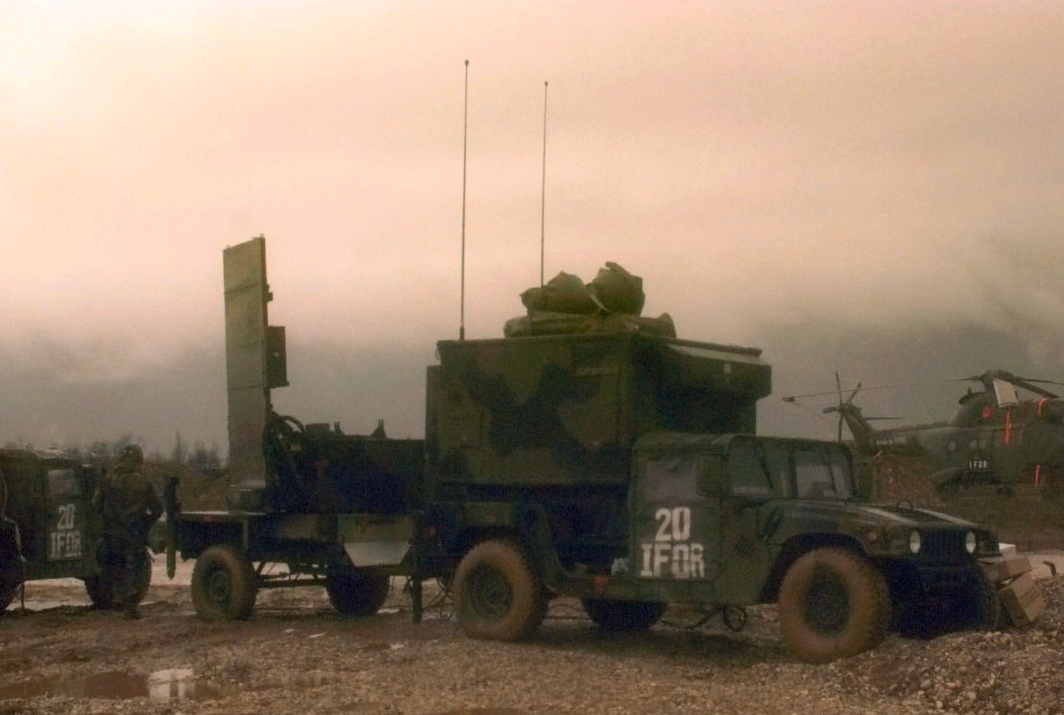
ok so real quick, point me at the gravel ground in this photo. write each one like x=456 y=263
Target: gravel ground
x=296 y=655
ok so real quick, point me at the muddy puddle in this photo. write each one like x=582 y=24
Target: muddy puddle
x=160 y=687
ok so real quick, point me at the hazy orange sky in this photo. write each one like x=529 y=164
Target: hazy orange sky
x=762 y=165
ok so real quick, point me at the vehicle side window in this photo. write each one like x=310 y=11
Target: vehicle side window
x=671 y=478
x=63 y=483
x=821 y=474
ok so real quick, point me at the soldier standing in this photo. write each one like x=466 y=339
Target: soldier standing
x=129 y=508
x=12 y=564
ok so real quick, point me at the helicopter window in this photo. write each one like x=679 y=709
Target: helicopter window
x=63 y=483
x=821 y=474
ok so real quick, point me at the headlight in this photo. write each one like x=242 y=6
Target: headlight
x=915 y=542
x=970 y=542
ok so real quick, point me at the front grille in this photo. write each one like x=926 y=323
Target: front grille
x=945 y=546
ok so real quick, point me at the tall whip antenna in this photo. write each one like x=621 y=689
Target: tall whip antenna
x=543 y=192
x=465 y=139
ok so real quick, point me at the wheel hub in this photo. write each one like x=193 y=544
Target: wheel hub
x=827 y=607
x=491 y=595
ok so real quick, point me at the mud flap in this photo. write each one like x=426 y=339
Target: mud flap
x=374 y=540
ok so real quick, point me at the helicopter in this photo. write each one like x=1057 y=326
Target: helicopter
x=994 y=437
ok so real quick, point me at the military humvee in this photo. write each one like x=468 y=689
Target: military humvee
x=619 y=468
x=52 y=529
x=623 y=469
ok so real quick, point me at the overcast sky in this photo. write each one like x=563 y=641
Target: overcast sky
x=853 y=186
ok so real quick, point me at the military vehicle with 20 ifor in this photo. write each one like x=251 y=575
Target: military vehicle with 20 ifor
x=620 y=468
x=50 y=528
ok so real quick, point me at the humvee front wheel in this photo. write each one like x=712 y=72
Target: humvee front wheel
x=980 y=609
x=611 y=615
x=224 y=585
x=498 y=595
x=976 y=606
x=357 y=593
x=833 y=604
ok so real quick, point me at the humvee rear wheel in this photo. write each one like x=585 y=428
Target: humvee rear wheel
x=611 y=615
x=833 y=604
x=357 y=593
x=224 y=585
x=7 y=595
x=498 y=595
x=101 y=586
x=10 y=580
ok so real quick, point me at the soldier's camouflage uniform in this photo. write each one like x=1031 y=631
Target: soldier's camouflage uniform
x=11 y=562
x=129 y=506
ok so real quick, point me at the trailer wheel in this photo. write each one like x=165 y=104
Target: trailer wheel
x=224 y=585
x=357 y=594
x=101 y=586
x=833 y=604
x=498 y=595
x=614 y=616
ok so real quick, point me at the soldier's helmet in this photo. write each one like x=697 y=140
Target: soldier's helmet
x=132 y=454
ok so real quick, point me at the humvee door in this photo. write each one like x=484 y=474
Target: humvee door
x=675 y=528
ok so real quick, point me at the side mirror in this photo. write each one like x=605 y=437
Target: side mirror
x=711 y=476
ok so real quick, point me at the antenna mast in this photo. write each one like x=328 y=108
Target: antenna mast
x=465 y=138
x=543 y=192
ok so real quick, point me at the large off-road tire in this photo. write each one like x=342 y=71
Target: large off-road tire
x=974 y=607
x=7 y=595
x=498 y=594
x=10 y=580
x=979 y=607
x=224 y=584
x=611 y=615
x=357 y=593
x=101 y=586
x=833 y=604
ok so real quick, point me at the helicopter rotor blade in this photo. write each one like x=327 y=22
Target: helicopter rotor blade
x=792 y=398
x=1027 y=383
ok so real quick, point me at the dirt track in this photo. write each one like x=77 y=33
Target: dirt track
x=296 y=655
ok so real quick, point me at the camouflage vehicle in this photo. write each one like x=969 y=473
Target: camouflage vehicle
x=623 y=469
x=619 y=468
x=52 y=529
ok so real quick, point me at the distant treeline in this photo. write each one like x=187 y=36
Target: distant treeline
x=104 y=453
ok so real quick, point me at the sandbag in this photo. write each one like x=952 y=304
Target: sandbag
x=617 y=291
x=564 y=293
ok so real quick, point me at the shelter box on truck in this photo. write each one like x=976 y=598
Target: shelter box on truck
x=566 y=409
x=552 y=420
